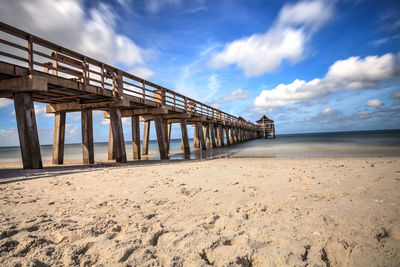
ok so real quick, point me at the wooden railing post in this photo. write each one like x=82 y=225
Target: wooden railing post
x=30 y=55
x=102 y=76
x=143 y=90
x=120 y=83
x=185 y=103
x=85 y=72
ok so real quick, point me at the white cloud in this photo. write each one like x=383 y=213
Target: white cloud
x=9 y=137
x=215 y=104
x=67 y=23
x=40 y=110
x=285 y=40
x=353 y=73
x=238 y=94
x=328 y=112
x=4 y=102
x=374 y=103
x=142 y=72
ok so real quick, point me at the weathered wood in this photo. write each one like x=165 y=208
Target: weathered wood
x=87 y=136
x=228 y=141
x=111 y=154
x=140 y=111
x=159 y=96
x=207 y=133
x=165 y=128
x=212 y=131
x=217 y=135
x=162 y=146
x=59 y=137
x=146 y=134
x=185 y=139
x=201 y=136
x=27 y=83
x=135 y=137
x=168 y=135
x=196 y=141
x=118 y=135
x=27 y=131
x=177 y=116
x=221 y=135
x=74 y=106
x=30 y=54
x=119 y=85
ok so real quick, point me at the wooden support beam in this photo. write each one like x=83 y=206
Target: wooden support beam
x=201 y=136
x=217 y=135
x=140 y=111
x=196 y=141
x=29 y=83
x=168 y=134
x=135 y=137
x=59 y=137
x=207 y=133
x=177 y=116
x=27 y=131
x=74 y=106
x=185 y=139
x=165 y=128
x=228 y=141
x=146 y=134
x=221 y=133
x=111 y=154
x=162 y=146
x=87 y=136
x=118 y=135
x=233 y=135
x=212 y=131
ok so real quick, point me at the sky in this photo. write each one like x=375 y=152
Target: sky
x=310 y=65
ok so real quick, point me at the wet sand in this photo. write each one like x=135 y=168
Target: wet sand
x=222 y=212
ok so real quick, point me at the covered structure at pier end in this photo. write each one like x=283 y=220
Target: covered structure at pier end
x=267 y=126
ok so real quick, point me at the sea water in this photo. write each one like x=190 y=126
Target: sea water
x=332 y=144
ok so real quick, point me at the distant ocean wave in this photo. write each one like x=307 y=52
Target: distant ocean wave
x=333 y=144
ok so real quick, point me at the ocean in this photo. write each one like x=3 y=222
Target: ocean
x=333 y=144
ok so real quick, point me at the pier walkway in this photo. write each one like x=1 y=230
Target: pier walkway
x=35 y=70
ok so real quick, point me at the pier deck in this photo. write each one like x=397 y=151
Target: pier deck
x=35 y=70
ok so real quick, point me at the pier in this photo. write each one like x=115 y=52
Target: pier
x=35 y=70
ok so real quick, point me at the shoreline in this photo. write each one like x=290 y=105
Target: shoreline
x=228 y=211
x=13 y=165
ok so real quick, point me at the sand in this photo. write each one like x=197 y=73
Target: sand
x=223 y=212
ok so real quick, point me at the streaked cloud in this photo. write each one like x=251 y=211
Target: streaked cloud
x=92 y=32
x=286 y=39
x=156 y=5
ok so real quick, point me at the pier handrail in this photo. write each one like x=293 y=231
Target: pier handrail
x=89 y=71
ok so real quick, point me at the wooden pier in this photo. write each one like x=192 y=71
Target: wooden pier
x=35 y=70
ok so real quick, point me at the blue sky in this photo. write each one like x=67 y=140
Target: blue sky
x=312 y=66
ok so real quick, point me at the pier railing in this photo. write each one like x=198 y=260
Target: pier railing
x=36 y=54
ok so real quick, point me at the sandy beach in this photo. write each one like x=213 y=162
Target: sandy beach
x=222 y=212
